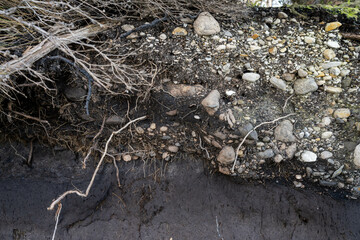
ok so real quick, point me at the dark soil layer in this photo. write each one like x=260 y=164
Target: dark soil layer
x=180 y=200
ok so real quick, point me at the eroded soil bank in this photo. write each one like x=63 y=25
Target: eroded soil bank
x=181 y=200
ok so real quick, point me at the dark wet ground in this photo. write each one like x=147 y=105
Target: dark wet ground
x=180 y=200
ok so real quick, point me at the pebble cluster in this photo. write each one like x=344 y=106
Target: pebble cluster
x=308 y=65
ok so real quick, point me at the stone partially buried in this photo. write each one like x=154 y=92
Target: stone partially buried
x=206 y=24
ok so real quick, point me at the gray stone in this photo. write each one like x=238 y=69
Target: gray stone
x=330 y=65
x=284 y=132
x=206 y=24
x=302 y=73
x=173 y=149
x=357 y=156
x=325 y=155
x=326 y=135
x=305 y=85
x=247 y=128
x=282 y=15
x=278 y=158
x=346 y=82
x=327 y=183
x=290 y=151
x=308 y=157
x=333 y=44
x=75 y=94
x=251 y=77
x=288 y=76
x=278 y=83
x=268 y=153
x=114 y=120
x=211 y=102
x=226 y=155
x=338 y=172
x=309 y=40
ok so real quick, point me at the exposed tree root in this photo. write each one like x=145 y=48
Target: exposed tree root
x=81 y=194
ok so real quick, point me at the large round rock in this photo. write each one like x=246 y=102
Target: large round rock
x=226 y=155
x=206 y=24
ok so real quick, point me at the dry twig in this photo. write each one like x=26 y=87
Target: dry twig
x=81 y=194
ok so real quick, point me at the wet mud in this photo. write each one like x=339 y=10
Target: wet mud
x=159 y=200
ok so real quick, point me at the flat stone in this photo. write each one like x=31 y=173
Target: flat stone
x=282 y=15
x=305 y=85
x=173 y=149
x=251 y=77
x=327 y=183
x=331 y=64
x=75 y=94
x=333 y=44
x=114 y=120
x=326 y=135
x=308 y=156
x=278 y=158
x=247 y=128
x=278 y=83
x=226 y=155
x=338 y=172
x=211 y=102
x=163 y=129
x=326 y=121
x=206 y=24
x=331 y=89
x=183 y=90
x=179 y=31
x=284 y=132
x=335 y=71
x=126 y=157
x=153 y=126
x=288 y=77
x=268 y=153
x=220 y=47
x=139 y=130
x=163 y=36
x=302 y=73
x=329 y=54
x=342 y=113
x=332 y=26
x=309 y=40
x=326 y=155
x=344 y=72
x=357 y=156
x=273 y=51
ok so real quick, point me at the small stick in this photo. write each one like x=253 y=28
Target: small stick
x=57 y=215
x=30 y=152
x=117 y=172
x=81 y=194
x=351 y=36
x=204 y=149
x=217 y=228
x=30 y=117
x=242 y=142
x=94 y=143
x=286 y=101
